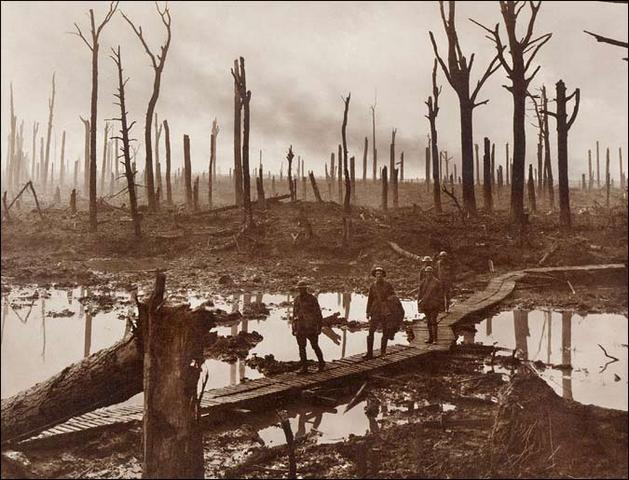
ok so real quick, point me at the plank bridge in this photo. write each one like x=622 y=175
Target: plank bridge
x=273 y=390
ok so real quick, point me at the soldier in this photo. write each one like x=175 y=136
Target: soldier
x=307 y=320
x=378 y=310
x=430 y=301
x=445 y=274
x=426 y=261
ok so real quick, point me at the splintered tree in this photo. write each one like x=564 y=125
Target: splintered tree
x=237 y=136
x=433 y=111
x=212 y=166
x=347 y=222
x=563 y=126
x=457 y=73
x=158 y=167
x=157 y=61
x=373 y=141
x=240 y=80
x=291 y=187
x=487 y=183
x=94 y=47
x=169 y=188
x=187 y=170
x=51 y=106
x=517 y=73
x=126 y=141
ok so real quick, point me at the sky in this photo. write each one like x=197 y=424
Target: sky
x=301 y=58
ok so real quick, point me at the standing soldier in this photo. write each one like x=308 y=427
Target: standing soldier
x=426 y=261
x=430 y=301
x=378 y=310
x=445 y=274
x=307 y=320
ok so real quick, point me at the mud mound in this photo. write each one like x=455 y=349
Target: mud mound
x=537 y=433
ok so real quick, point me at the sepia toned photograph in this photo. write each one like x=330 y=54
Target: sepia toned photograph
x=319 y=239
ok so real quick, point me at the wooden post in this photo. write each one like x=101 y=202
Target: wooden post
x=173 y=355
x=507 y=161
x=385 y=189
x=487 y=183
x=583 y=183
x=315 y=189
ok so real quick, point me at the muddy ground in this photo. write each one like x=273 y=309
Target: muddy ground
x=410 y=432
x=209 y=252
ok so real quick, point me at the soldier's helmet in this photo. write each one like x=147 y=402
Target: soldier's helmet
x=378 y=269
x=302 y=284
x=426 y=259
x=428 y=269
x=443 y=254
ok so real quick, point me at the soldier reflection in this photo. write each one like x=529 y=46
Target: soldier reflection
x=313 y=417
x=521 y=329
x=566 y=353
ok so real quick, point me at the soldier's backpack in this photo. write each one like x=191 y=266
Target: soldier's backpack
x=396 y=313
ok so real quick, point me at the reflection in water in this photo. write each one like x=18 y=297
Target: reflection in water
x=571 y=342
x=43 y=346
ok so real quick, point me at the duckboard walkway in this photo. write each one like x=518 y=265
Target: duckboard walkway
x=217 y=403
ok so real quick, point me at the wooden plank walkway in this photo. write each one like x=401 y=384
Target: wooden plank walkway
x=218 y=402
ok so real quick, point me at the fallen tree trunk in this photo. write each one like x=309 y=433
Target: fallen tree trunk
x=277 y=198
x=107 y=377
x=397 y=249
x=104 y=378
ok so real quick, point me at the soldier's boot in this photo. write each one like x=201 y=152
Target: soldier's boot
x=369 y=353
x=320 y=358
x=383 y=345
x=303 y=359
x=434 y=332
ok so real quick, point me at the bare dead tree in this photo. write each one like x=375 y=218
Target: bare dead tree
x=457 y=73
x=519 y=48
x=34 y=150
x=158 y=166
x=62 y=171
x=94 y=48
x=531 y=190
x=487 y=183
x=291 y=187
x=169 y=188
x=433 y=110
x=563 y=126
x=609 y=41
x=187 y=170
x=237 y=136
x=548 y=170
x=365 y=159
x=346 y=201
x=125 y=129
x=212 y=166
x=12 y=144
x=51 y=106
x=157 y=61
x=104 y=161
x=240 y=80
x=373 y=141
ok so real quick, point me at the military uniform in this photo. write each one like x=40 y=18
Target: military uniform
x=445 y=274
x=381 y=310
x=430 y=301
x=307 y=322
